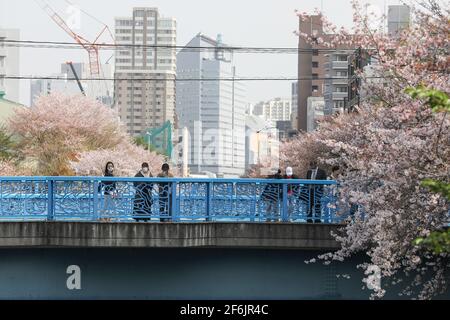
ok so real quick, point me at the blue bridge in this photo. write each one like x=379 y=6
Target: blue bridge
x=83 y=238
x=167 y=200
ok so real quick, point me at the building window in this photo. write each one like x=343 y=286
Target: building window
x=315 y=64
x=315 y=52
x=315 y=76
x=315 y=88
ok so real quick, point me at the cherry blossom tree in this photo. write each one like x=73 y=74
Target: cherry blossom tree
x=387 y=149
x=61 y=130
x=127 y=159
x=7 y=169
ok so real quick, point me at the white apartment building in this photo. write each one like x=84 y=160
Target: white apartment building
x=213 y=111
x=336 y=82
x=278 y=109
x=315 y=112
x=9 y=65
x=145 y=70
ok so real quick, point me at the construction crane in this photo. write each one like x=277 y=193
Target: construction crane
x=76 y=77
x=91 y=47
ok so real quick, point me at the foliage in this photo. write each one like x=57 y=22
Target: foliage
x=6 y=144
x=63 y=135
x=386 y=149
x=127 y=158
x=437 y=241
x=140 y=141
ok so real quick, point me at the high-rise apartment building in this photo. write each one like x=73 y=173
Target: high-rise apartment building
x=335 y=82
x=145 y=70
x=313 y=64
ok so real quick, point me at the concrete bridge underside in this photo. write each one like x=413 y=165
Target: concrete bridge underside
x=231 y=261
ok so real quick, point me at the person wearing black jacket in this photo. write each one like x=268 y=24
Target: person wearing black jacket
x=109 y=189
x=165 y=194
x=271 y=196
x=315 y=192
x=143 y=199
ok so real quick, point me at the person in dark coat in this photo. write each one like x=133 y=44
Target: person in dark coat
x=292 y=190
x=271 y=196
x=143 y=200
x=315 y=192
x=109 y=190
x=165 y=194
x=290 y=175
x=109 y=187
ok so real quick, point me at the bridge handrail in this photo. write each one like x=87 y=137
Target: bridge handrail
x=182 y=198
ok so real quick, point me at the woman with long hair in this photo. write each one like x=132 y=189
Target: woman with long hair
x=109 y=191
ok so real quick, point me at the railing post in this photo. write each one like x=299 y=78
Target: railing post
x=253 y=203
x=174 y=201
x=51 y=200
x=284 y=212
x=208 y=200
x=95 y=215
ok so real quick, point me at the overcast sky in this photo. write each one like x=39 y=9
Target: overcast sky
x=262 y=23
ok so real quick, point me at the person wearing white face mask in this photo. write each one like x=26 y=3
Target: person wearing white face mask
x=292 y=191
x=143 y=200
x=315 y=192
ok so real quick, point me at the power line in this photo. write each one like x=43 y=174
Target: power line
x=185 y=79
x=114 y=46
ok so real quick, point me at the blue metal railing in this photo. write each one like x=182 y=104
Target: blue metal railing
x=174 y=199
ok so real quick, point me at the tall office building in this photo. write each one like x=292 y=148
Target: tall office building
x=9 y=65
x=312 y=65
x=145 y=70
x=212 y=111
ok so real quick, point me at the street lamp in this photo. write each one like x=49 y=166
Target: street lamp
x=149 y=134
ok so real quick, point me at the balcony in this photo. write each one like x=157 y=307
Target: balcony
x=340 y=95
x=340 y=65
x=340 y=80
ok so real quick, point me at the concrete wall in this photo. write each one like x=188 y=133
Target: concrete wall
x=188 y=235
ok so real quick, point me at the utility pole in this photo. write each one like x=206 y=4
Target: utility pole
x=185 y=152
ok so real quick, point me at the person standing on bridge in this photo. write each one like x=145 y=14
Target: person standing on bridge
x=315 y=192
x=143 y=199
x=292 y=190
x=110 y=191
x=271 y=196
x=165 y=194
